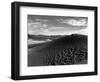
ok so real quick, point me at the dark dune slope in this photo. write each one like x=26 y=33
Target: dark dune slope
x=67 y=50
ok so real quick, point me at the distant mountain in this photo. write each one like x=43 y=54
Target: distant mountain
x=44 y=37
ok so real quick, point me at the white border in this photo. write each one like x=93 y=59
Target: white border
x=25 y=70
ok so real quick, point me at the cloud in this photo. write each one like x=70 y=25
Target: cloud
x=74 y=22
x=41 y=20
x=39 y=28
x=35 y=27
x=65 y=32
x=55 y=31
x=29 y=21
x=83 y=31
x=48 y=25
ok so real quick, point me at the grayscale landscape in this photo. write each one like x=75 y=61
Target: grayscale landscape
x=57 y=40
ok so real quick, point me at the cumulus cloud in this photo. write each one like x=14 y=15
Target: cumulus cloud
x=56 y=25
x=29 y=21
x=55 y=31
x=42 y=20
x=35 y=27
x=74 y=22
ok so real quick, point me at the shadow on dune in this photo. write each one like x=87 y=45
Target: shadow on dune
x=68 y=50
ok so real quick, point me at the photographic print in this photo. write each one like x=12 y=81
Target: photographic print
x=53 y=40
x=57 y=40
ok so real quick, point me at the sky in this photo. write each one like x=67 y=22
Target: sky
x=56 y=25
